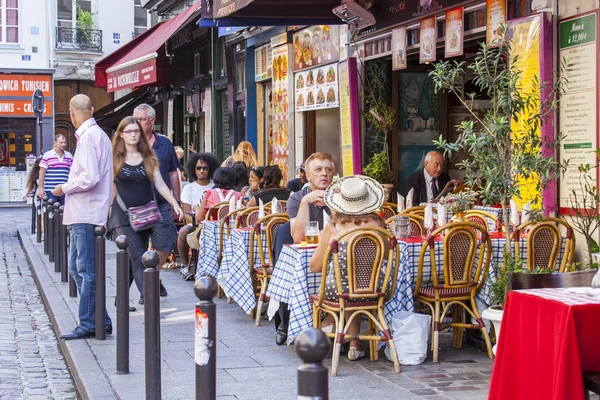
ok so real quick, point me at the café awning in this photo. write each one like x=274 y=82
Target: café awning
x=142 y=61
x=271 y=12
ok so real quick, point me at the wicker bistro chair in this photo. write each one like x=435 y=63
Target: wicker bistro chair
x=365 y=263
x=389 y=210
x=282 y=206
x=419 y=210
x=544 y=241
x=462 y=250
x=217 y=211
x=481 y=217
x=242 y=218
x=417 y=224
x=262 y=273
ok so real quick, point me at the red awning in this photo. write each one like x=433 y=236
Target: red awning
x=143 y=60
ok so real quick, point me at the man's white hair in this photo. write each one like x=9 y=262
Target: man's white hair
x=430 y=156
x=150 y=112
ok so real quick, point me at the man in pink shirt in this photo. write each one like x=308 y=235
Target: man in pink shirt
x=88 y=193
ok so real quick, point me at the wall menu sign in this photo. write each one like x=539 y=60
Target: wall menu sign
x=223 y=8
x=349 y=118
x=496 y=17
x=316 y=45
x=317 y=89
x=391 y=12
x=263 y=58
x=427 y=43
x=578 y=111
x=280 y=137
x=399 y=49
x=454 y=33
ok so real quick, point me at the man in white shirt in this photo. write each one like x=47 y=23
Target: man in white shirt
x=202 y=166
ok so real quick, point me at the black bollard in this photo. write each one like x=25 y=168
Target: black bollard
x=122 y=243
x=100 y=265
x=64 y=249
x=312 y=346
x=39 y=217
x=45 y=216
x=33 y=212
x=205 y=339
x=56 y=248
x=150 y=259
x=51 y=234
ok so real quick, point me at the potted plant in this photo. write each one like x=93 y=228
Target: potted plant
x=379 y=169
x=459 y=203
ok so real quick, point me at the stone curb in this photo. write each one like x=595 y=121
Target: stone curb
x=90 y=379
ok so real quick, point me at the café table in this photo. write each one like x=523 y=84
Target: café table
x=208 y=253
x=495 y=211
x=549 y=339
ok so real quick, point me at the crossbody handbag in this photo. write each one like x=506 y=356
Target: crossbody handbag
x=142 y=217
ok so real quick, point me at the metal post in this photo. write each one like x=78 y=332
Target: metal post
x=150 y=259
x=56 y=248
x=122 y=243
x=33 y=211
x=100 y=265
x=45 y=211
x=51 y=236
x=312 y=346
x=206 y=339
x=64 y=251
x=72 y=284
x=40 y=207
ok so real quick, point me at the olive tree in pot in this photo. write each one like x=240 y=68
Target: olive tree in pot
x=505 y=144
x=382 y=117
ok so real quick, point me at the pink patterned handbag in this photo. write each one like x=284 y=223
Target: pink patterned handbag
x=142 y=217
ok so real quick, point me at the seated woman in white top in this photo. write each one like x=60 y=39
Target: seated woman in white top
x=202 y=166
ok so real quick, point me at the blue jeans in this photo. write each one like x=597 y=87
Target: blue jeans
x=83 y=270
x=60 y=199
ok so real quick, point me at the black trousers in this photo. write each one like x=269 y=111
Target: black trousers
x=282 y=236
x=138 y=245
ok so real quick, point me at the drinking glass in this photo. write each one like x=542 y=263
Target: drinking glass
x=401 y=226
x=311 y=232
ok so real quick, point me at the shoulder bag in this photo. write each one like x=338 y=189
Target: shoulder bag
x=142 y=217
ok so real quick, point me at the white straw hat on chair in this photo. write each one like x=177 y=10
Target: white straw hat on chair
x=354 y=195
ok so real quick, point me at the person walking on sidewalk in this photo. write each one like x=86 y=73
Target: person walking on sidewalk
x=54 y=169
x=164 y=235
x=88 y=192
x=136 y=175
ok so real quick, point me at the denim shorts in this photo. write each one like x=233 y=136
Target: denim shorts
x=164 y=234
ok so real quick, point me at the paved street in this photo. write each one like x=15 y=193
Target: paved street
x=31 y=364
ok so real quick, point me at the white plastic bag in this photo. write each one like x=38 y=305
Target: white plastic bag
x=411 y=335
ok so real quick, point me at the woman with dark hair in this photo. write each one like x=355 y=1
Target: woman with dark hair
x=272 y=188
x=255 y=180
x=224 y=190
x=202 y=166
x=241 y=176
x=32 y=179
x=136 y=174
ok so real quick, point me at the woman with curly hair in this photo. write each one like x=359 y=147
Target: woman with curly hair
x=202 y=166
x=244 y=152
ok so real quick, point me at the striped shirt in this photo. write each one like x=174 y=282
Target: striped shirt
x=57 y=169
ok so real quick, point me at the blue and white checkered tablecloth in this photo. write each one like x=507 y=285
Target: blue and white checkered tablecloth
x=234 y=274
x=209 y=250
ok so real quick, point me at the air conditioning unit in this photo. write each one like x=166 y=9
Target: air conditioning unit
x=354 y=15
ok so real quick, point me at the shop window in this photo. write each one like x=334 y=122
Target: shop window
x=240 y=75
x=519 y=8
x=196 y=64
x=475 y=19
x=9 y=21
x=140 y=18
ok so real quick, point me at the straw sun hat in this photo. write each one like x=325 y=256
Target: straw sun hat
x=354 y=195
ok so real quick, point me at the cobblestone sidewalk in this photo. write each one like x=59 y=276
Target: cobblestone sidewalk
x=31 y=364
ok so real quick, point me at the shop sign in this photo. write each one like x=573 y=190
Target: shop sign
x=21 y=108
x=349 y=118
x=399 y=48
x=391 y=12
x=454 y=33
x=263 y=60
x=223 y=8
x=279 y=137
x=578 y=110
x=496 y=17
x=427 y=45
x=317 y=89
x=135 y=75
x=316 y=45
x=20 y=85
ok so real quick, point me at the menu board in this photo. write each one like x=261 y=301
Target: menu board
x=578 y=111
x=349 y=118
x=263 y=58
x=279 y=137
x=316 y=45
x=454 y=33
x=427 y=45
x=496 y=17
x=317 y=89
x=399 y=48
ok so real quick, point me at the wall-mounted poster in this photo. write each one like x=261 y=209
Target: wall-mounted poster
x=349 y=118
x=279 y=137
x=317 y=88
x=399 y=48
x=316 y=45
x=263 y=60
x=454 y=33
x=428 y=38
x=496 y=17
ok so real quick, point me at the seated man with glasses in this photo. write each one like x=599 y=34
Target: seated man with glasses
x=202 y=166
x=431 y=181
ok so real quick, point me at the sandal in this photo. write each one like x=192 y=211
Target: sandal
x=354 y=354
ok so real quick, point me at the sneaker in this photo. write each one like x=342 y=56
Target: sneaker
x=189 y=275
x=184 y=269
x=354 y=354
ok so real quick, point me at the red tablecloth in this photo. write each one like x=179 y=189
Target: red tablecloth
x=549 y=338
